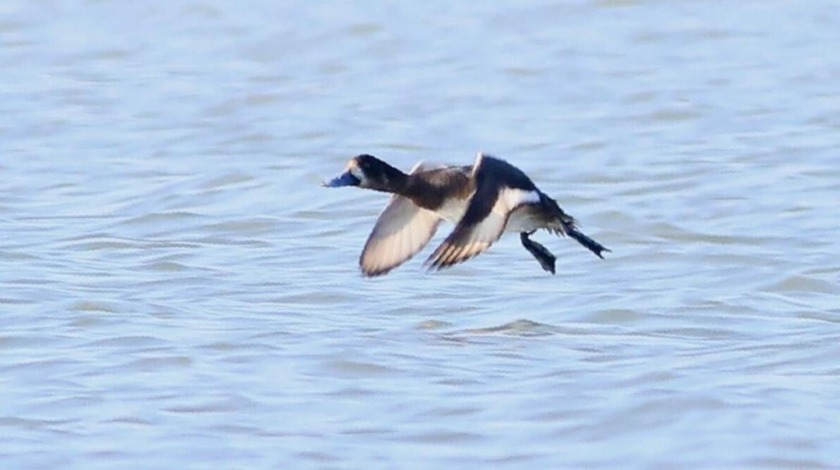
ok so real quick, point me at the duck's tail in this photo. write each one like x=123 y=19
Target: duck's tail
x=569 y=226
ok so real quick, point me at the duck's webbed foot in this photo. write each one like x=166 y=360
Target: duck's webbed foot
x=541 y=253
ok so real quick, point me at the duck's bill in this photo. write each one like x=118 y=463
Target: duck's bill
x=344 y=179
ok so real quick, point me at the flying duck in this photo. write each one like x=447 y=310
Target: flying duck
x=483 y=200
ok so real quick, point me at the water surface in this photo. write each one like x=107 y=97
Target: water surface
x=178 y=291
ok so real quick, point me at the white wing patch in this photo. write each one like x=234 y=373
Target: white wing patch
x=466 y=242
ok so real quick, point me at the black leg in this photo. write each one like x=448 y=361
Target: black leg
x=541 y=253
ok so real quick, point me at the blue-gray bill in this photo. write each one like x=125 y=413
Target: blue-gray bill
x=344 y=179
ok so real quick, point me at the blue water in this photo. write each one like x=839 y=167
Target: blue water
x=179 y=292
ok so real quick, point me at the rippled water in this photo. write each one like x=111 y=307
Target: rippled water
x=179 y=292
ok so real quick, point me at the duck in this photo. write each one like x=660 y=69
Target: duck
x=484 y=200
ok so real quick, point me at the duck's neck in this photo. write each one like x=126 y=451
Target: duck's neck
x=417 y=189
x=395 y=181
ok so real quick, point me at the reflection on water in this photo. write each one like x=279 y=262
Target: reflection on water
x=178 y=290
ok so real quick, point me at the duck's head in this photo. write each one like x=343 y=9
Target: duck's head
x=367 y=171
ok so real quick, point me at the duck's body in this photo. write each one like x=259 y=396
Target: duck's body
x=483 y=201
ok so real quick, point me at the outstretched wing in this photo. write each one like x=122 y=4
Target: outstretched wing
x=402 y=229
x=499 y=190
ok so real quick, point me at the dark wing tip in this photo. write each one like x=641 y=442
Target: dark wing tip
x=375 y=272
x=446 y=255
x=435 y=261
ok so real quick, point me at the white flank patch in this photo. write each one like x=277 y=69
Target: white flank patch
x=519 y=221
x=515 y=197
x=522 y=221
